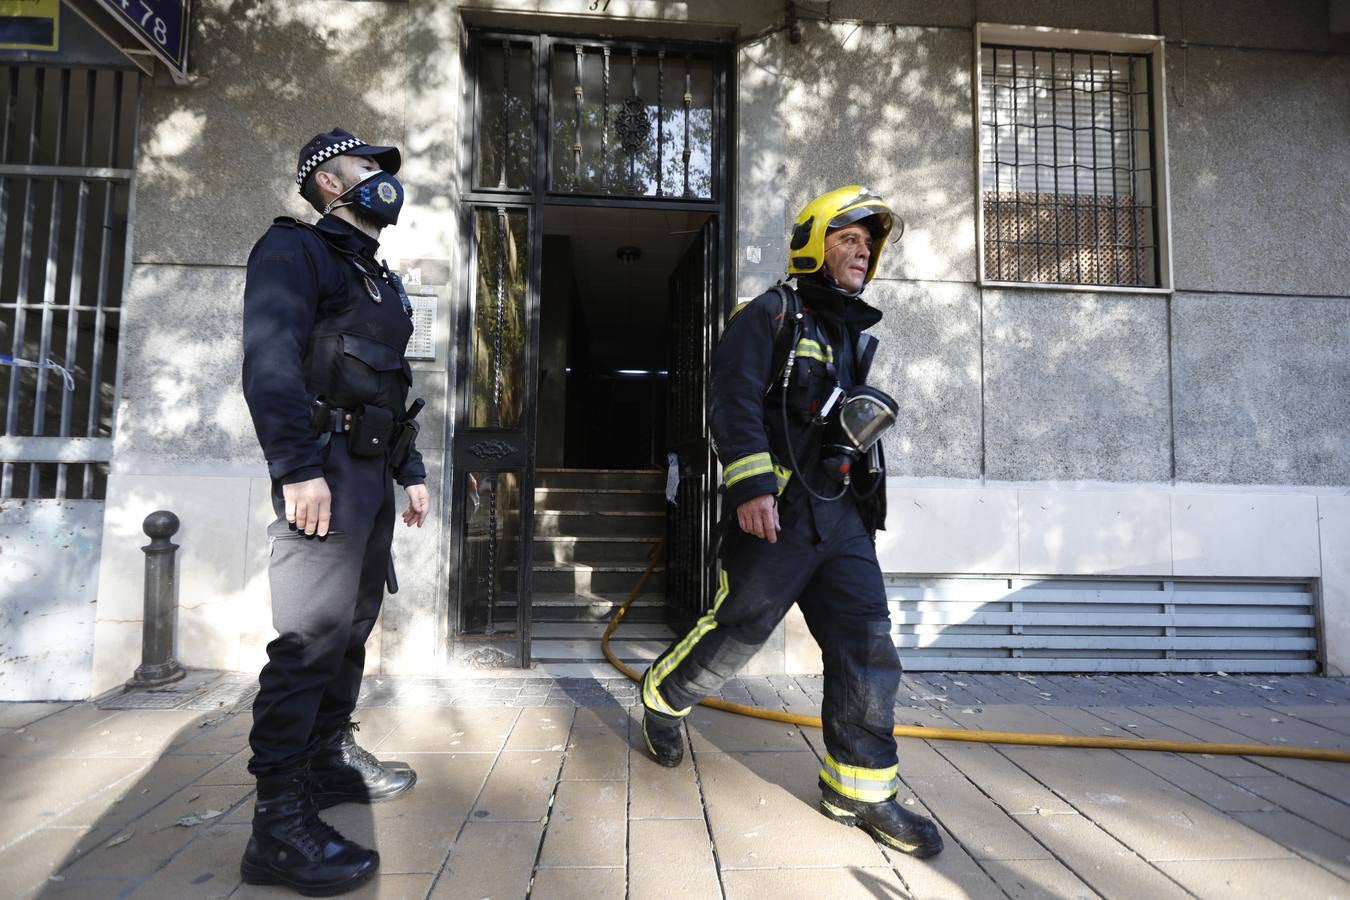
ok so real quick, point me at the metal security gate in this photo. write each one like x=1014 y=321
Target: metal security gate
x=1078 y=625
x=65 y=202
x=67 y=141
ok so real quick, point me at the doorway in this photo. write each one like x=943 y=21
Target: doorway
x=609 y=357
x=594 y=276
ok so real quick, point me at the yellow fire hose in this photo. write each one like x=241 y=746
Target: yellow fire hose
x=971 y=735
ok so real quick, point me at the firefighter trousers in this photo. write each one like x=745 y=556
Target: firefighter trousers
x=837 y=582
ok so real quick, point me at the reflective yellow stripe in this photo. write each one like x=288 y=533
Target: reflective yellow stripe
x=784 y=475
x=651 y=682
x=653 y=699
x=738 y=307
x=747 y=467
x=813 y=350
x=858 y=783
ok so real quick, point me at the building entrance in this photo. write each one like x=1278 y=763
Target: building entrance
x=595 y=277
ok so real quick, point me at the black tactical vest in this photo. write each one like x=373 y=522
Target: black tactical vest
x=355 y=355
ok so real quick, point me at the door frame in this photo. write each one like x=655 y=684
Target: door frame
x=534 y=200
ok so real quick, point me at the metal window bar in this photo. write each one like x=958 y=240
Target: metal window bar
x=65 y=143
x=576 y=144
x=998 y=193
x=1096 y=184
x=660 y=117
x=1077 y=212
x=632 y=151
x=1017 y=168
x=604 y=125
x=1097 y=226
x=505 y=124
x=688 y=102
x=1054 y=117
x=1036 y=168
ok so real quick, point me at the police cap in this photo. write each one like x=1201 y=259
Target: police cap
x=323 y=147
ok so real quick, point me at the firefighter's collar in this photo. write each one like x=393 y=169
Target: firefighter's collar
x=830 y=303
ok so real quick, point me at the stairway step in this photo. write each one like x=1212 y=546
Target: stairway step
x=579 y=650
x=593 y=549
x=591 y=670
x=584 y=579
x=598 y=499
x=636 y=479
x=586 y=607
x=579 y=523
x=627 y=631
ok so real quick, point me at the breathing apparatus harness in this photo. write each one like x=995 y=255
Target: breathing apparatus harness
x=854 y=419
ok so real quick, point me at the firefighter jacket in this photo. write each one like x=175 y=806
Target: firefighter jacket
x=321 y=318
x=750 y=432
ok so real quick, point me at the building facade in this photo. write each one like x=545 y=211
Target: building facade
x=1117 y=323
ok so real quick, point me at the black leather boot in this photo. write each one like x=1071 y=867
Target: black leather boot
x=345 y=772
x=292 y=846
x=662 y=734
x=888 y=821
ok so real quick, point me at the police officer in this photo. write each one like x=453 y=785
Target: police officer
x=325 y=329
x=803 y=507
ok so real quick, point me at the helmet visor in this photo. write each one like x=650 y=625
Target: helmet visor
x=880 y=216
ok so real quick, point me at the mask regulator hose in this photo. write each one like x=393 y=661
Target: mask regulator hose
x=787 y=434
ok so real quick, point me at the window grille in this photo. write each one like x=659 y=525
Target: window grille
x=1067 y=161
x=67 y=138
x=629 y=121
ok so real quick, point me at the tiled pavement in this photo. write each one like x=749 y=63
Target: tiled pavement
x=538 y=787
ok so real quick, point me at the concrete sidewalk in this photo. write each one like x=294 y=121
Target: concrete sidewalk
x=536 y=787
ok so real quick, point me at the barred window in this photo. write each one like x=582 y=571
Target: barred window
x=1068 y=171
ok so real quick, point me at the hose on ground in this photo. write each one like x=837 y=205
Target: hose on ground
x=974 y=736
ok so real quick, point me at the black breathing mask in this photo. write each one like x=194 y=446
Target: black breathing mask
x=855 y=420
x=378 y=195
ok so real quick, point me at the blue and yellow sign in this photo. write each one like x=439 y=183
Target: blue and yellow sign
x=30 y=24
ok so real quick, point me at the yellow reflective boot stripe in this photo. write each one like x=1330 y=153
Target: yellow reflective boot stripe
x=857 y=783
x=746 y=467
x=653 y=699
x=651 y=683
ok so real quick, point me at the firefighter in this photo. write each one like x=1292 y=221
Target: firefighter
x=325 y=330
x=789 y=415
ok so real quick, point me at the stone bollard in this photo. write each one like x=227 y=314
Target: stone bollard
x=161 y=600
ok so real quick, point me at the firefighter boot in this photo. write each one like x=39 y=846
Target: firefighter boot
x=345 y=772
x=662 y=734
x=888 y=822
x=292 y=846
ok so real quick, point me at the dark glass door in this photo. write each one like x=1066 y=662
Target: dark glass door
x=695 y=307
x=493 y=442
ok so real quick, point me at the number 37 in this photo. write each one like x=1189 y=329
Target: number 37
x=598 y=6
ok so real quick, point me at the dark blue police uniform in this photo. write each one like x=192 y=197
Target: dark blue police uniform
x=323 y=319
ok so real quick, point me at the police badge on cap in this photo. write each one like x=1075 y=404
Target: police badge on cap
x=323 y=147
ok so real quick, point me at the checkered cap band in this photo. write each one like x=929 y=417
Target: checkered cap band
x=325 y=154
